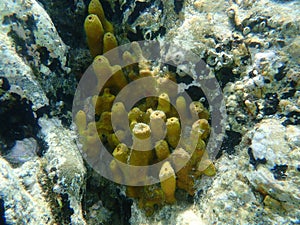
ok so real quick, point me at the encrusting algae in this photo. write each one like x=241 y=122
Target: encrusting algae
x=153 y=125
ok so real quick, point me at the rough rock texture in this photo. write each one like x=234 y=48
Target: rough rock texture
x=21 y=192
x=249 y=49
x=49 y=189
x=64 y=168
x=252 y=47
x=245 y=190
x=45 y=180
x=33 y=56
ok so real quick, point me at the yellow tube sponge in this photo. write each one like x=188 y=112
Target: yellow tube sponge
x=128 y=58
x=200 y=129
x=173 y=131
x=95 y=7
x=180 y=159
x=104 y=126
x=199 y=109
x=109 y=42
x=116 y=171
x=141 y=137
x=121 y=153
x=146 y=115
x=144 y=65
x=164 y=103
x=210 y=170
x=120 y=118
x=206 y=166
x=80 y=121
x=104 y=102
x=135 y=114
x=131 y=67
x=116 y=138
x=141 y=150
x=162 y=150
x=91 y=144
x=94 y=33
x=197 y=152
x=141 y=153
x=182 y=107
x=168 y=182
x=137 y=51
x=102 y=69
x=118 y=80
x=158 y=125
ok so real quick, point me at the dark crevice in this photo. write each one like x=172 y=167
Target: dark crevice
x=61 y=13
x=288 y=94
x=44 y=55
x=270 y=104
x=225 y=75
x=279 y=172
x=140 y=7
x=109 y=14
x=196 y=93
x=231 y=140
x=178 y=5
x=293 y=118
x=253 y=161
x=281 y=73
x=66 y=211
x=19 y=27
x=17 y=120
x=63 y=112
x=110 y=196
x=2 y=213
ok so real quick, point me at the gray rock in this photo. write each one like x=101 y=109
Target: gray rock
x=43 y=189
x=64 y=168
x=259 y=186
x=23 y=196
x=33 y=57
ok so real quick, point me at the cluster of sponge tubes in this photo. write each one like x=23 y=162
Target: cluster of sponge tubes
x=154 y=126
x=99 y=31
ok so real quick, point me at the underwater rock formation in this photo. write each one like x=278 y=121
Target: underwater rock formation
x=251 y=47
x=33 y=62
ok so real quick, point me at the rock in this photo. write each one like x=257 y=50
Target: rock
x=257 y=181
x=278 y=175
x=64 y=168
x=269 y=143
x=21 y=193
x=39 y=189
x=251 y=49
x=47 y=181
x=33 y=57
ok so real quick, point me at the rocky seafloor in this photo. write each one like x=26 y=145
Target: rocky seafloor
x=253 y=49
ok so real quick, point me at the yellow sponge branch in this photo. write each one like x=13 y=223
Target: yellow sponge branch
x=168 y=182
x=94 y=33
x=95 y=7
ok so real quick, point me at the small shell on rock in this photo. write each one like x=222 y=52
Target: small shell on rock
x=23 y=151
